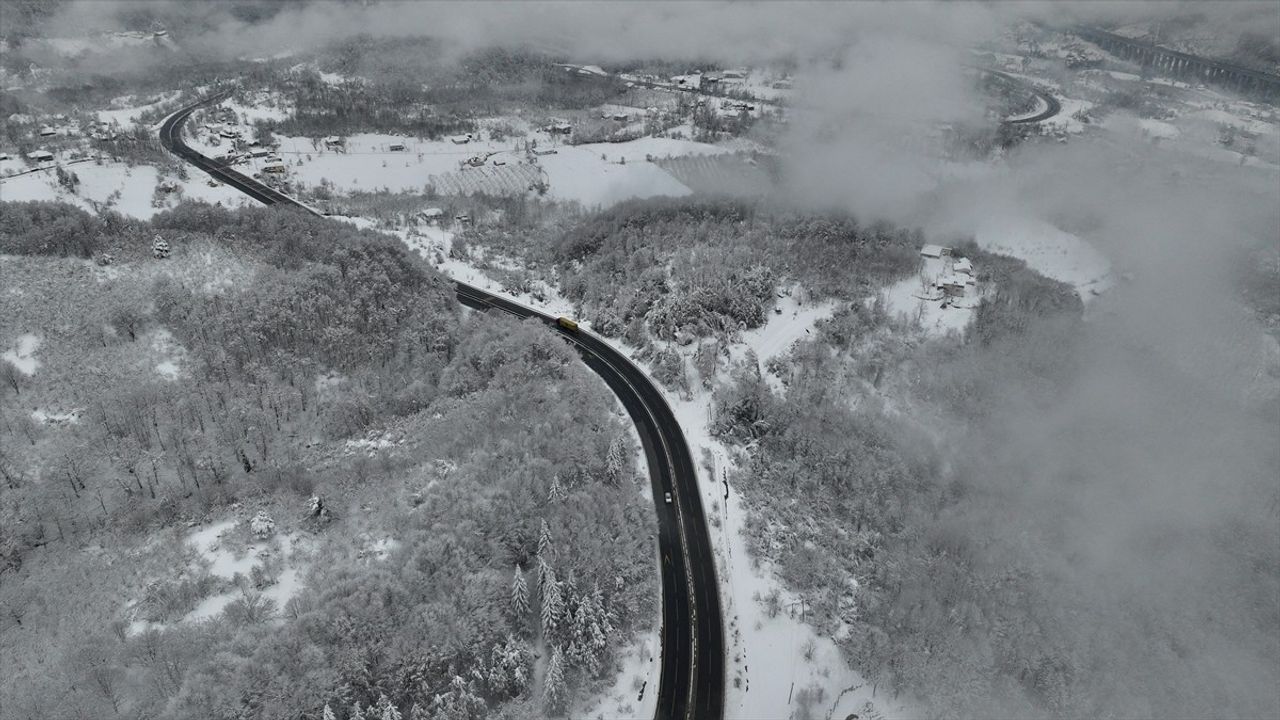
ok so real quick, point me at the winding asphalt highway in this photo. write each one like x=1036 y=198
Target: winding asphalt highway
x=692 y=679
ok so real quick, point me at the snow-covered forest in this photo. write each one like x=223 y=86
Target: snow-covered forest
x=306 y=366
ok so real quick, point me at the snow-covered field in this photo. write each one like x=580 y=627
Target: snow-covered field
x=593 y=175
x=98 y=183
x=1047 y=250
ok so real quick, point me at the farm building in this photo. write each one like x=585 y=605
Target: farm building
x=953 y=285
x=935 y=251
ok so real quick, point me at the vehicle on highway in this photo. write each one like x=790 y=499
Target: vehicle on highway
x=667 y=497
x=567 y=324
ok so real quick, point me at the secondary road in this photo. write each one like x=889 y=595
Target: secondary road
x=692 y=679
x=1051 y=105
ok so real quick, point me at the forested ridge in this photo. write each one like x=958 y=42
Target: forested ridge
x=523 y=555
x=1004 y=567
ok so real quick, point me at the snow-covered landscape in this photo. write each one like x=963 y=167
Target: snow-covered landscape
x=769 y=361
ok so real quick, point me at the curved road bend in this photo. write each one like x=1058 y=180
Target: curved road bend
x=1051 y=105
x=692 y=679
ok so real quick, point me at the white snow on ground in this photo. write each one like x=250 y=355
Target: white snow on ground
x=1047 y=250
x=765 y=663
x=165 y=346
x=916 y=300
x=1158 y=129
x=128 y=115
x=51 y=417
x=579 y=174
x=225 y=564
x=593 y=174
x=791 y=321
x=634 y=692
x=1239 y=120
x=22 y=354
x=136 y=186
x=1065 y=120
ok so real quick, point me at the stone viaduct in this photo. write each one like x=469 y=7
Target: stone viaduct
x=1245 y=80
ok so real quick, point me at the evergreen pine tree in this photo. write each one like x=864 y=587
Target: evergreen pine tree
x=552 y=605
x=327 y=713
x=356 y=712
x=553 y=684
x=519 y=594
x=387 y=710
x=556 y=493
x=544 y=539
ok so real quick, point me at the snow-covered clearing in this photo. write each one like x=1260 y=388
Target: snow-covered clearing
x=226 y=564
x=169 y=353
x=99 y=183
x=792 y=320
x=127 y=114
x=22 y=354
x=916 y=300
x=1047 y=250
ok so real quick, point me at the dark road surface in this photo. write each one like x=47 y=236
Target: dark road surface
x=692 y=682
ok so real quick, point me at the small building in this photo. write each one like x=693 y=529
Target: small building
x=46 y=131
x=230 y=134
x=783 y=84
x=431 y=215
x=396 y=147
x=260 y=152
x=734 y=75
x=475 y=161
x=953 y=285
x=935 y=251
x=40 y=156
x=559 y=128
x=463 y=219
x=621 y=116
x=461 y=139
x=4 y=156
x=962 y=266
x=276 y=167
